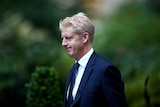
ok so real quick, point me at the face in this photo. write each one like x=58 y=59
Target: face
x=73 y=43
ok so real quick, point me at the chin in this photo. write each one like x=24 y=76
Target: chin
x=70 y=55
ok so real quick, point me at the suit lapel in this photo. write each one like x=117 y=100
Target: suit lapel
x=86 y=75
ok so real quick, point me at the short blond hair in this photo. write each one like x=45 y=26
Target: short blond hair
x=80 y=23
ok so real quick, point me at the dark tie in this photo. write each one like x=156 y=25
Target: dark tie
x=73 y=77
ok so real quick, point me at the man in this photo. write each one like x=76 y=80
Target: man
x=98 y=82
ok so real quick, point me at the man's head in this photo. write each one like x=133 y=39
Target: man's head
x=79 y=23
x=77 y=34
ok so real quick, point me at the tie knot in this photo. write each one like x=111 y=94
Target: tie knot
x=76 y=65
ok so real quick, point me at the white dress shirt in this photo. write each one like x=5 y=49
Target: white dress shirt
x=83 y=62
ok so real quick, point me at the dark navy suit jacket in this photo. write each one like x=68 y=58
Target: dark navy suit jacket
x=101 y=85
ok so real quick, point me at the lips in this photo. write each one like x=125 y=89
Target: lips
x=68 y=49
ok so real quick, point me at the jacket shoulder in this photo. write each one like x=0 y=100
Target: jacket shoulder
x=100 y=60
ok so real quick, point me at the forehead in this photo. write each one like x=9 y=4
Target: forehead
x=67 y=31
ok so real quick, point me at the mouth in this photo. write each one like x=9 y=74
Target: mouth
x=68 y=49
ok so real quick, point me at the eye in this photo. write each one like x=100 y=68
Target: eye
x=68 y=38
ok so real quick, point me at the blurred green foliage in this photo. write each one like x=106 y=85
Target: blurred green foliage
x=29 y=37
x=44 y=88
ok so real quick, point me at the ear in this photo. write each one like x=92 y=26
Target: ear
x=85 y=37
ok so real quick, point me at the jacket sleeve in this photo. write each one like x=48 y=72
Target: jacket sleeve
x=113 y=87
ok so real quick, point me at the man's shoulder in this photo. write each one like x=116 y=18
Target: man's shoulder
x=101 y=60
x=103 y=63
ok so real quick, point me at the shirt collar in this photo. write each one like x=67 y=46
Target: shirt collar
x=84 y=60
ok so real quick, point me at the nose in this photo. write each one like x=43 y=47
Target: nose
x=64 y=43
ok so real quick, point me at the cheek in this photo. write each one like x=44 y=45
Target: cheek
x=77 y=44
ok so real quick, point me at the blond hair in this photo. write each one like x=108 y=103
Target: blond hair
x=80 y=23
